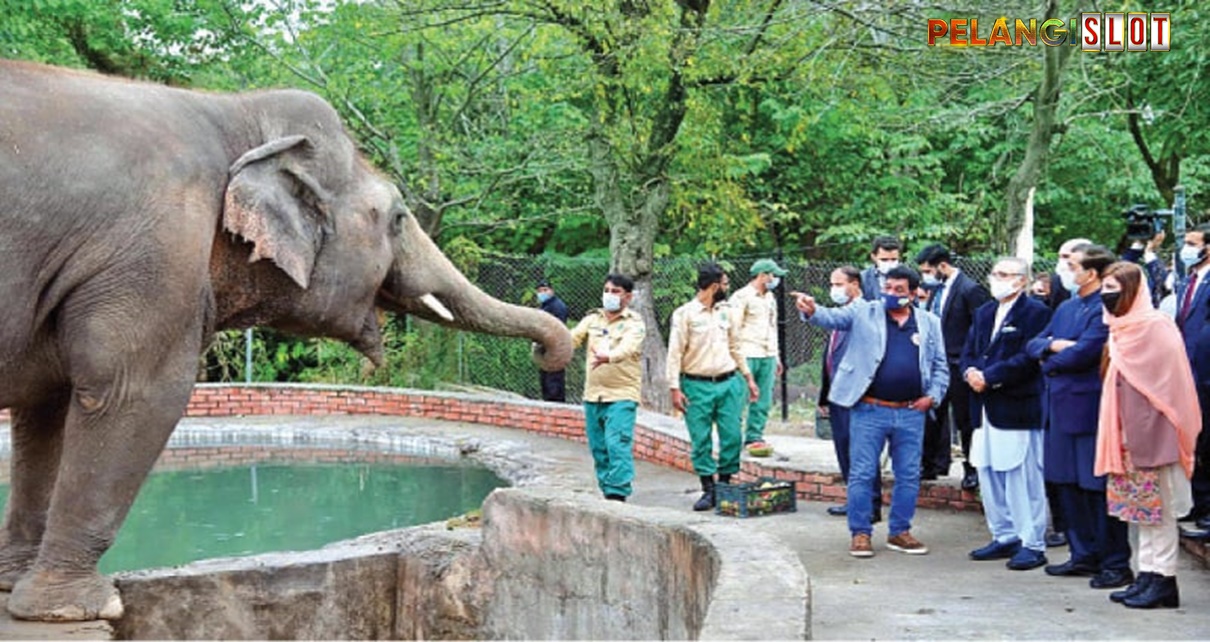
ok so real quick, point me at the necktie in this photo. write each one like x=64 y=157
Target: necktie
x=935 y=300
x=831 y=357
x=1185 y=303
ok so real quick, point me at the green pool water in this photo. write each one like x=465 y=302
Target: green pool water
x=184 y=516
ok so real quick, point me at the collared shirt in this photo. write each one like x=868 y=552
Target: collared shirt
x=756 y=315
x=703 y=342
x=622 y=339
x=898 y=376
x=945 y=291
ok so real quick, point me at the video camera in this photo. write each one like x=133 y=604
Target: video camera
x=1143 y=223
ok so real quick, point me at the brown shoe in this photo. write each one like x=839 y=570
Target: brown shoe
x=905 y=543
x=860 y=547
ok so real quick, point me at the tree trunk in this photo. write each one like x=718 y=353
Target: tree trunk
x=1046 y=106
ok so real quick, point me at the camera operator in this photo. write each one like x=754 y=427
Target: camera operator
x=1143 y=252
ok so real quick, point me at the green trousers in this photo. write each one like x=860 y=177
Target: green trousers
x=610 y=431
x=715 y=405
x=763 y=371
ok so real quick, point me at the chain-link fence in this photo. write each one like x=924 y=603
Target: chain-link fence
x=503 y=363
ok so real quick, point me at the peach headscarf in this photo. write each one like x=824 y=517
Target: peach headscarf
x=1145 y=349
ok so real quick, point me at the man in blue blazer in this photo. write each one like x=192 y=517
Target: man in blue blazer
x=1006 y=411
x=1069 y=349
x=892 y=373
x=1192 y=308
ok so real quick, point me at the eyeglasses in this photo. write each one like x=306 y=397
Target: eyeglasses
x=1006 y=275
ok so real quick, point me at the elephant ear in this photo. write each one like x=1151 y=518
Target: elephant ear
x=275 y=205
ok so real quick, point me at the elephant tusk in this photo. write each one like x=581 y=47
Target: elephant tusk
x=437 y=307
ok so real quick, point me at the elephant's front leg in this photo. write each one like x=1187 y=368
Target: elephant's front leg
x=37 y=438
x=122 y=409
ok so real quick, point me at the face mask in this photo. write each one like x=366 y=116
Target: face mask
x=1001 y=289
x=720 y=295
x=930 y=280
x=1192 y=255
x=887 y=266
x=543 y=297
x=840 y=296
x=773 y=283
x=611 y=302
x=1061 y=267
x=1069 y=282
x=1110 y=300
x=894 y=301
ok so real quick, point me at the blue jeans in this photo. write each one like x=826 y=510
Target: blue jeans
x=870 y=427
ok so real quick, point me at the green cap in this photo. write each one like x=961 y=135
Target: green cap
x=767 y=266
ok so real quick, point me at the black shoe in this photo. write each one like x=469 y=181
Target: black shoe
x=1112 y=578
x=838 y=511
x=1140 y=585
x=1072 y=569
x=1026 y=559
x=706 y=501
x=616 y=498
x=996 y=551
x=1055 y=539
x=928 y=475
x=1161 y=592
x=970 y=481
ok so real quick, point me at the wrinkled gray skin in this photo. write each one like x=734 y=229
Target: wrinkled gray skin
x=139 y=219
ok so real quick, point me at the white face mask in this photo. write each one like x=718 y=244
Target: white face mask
x=611 y=302
x=1061 y=267
x=840 y=295
x=930 y=279
x=887 y=266
x=773 y=283
x=1069 y=281
x=1191 y=255
x=1001 y=289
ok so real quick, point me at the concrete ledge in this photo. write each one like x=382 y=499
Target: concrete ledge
x=548 y=564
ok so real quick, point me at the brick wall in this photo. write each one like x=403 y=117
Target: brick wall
x=657 y=439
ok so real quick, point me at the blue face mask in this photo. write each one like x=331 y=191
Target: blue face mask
x=543 y=297
x=894 y=301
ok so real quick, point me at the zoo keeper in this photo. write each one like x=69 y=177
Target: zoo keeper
x=703 y=356
x=755 y=311
x=612 y=381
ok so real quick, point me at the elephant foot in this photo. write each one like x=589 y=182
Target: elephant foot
x=15 y=561
x=56 y=596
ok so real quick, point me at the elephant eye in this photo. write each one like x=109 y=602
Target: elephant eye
x=398 y=216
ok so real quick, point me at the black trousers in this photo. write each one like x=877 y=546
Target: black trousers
x=937 y=432
x=553 y=386
x=1200 y=481
x=1093 y=535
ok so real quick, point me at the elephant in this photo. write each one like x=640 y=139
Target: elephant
x=138 y=219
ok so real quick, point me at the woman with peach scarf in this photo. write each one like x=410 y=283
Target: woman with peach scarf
x=1149 y=420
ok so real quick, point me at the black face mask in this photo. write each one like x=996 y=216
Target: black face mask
x=1110 y=301
x=720 y=295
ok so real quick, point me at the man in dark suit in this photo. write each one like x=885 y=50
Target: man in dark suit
x=1006 y=410
x=553 y=383
x=1192 y=308
x=845 y=289
x=1069 y=349
x=955 y=298
x=885 y=256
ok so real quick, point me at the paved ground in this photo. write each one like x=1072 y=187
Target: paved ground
x=942 y=595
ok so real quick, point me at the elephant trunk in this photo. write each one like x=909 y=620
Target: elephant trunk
x=423 y=282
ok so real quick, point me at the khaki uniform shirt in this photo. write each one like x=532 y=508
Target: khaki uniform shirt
x=756 y=314
x=622 y=339
x=703 y=342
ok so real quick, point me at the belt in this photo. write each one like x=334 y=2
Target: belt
x=713 y=378
x=886 y=404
